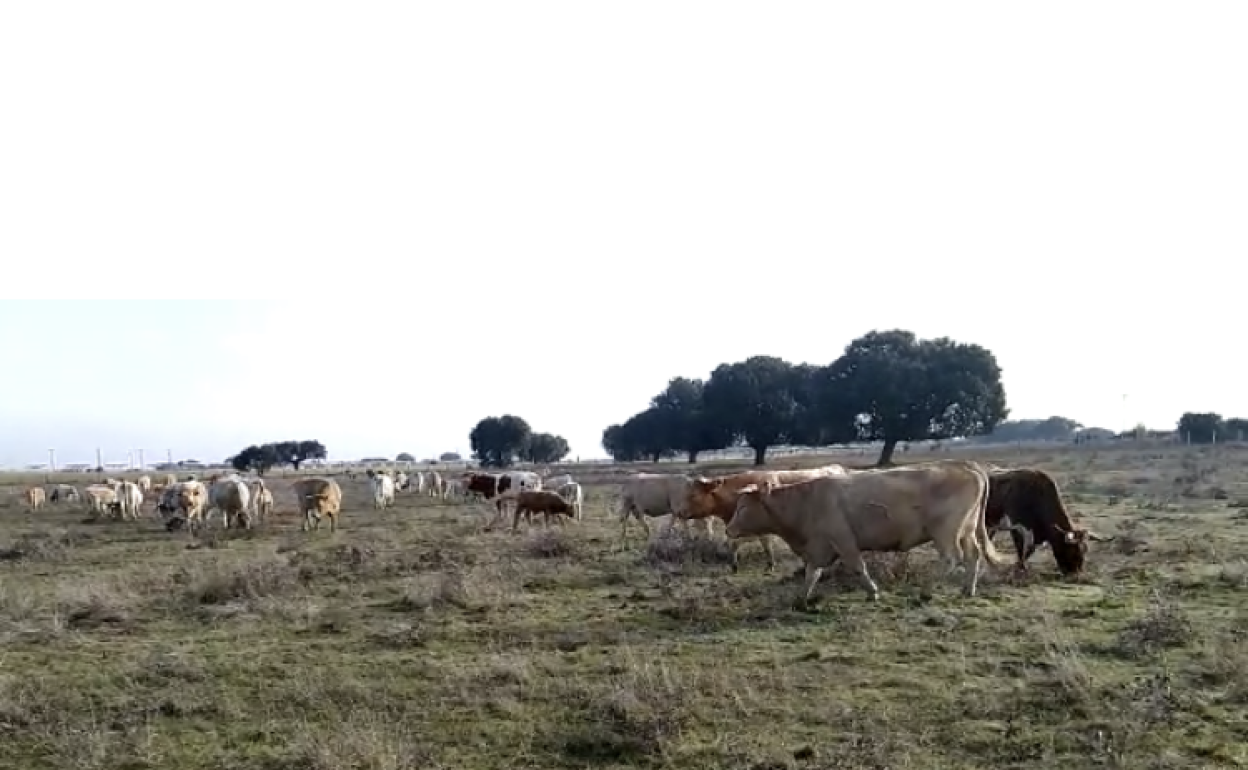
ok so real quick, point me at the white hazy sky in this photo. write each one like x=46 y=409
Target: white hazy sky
x=410 y=202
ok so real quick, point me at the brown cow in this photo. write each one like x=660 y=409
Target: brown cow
x=1029 y=503
x=541 y=501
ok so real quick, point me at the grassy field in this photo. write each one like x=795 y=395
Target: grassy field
x=411 y=639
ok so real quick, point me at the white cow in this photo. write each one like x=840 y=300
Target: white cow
x=453 y=489
x=416 y=483
x=261 y=499
x=129 y=498
x=145 y=484
x=232 y=498
x=650 y=495
x=436 y=487
x=383 y=489
x=401 y=481
x=571 y=491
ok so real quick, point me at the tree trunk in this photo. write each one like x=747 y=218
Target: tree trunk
x=296 y=463
x=654 y=458
x=693 y=456
x=886 y=454
x=760 y=455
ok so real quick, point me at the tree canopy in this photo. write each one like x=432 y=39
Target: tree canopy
x=498 y=442
x=260 y=459
x=887 y=386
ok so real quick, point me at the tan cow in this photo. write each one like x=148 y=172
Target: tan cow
x=183 y=502
x=170 y=480
x=318 y=497
x=706 y=498
x=261 y=500
x=36 y=497
x=892 y=509
x=130 y=499
x=145 y=484
x=101 y=499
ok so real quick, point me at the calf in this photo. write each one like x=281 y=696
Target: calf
x=129 y=499
x=529 y=502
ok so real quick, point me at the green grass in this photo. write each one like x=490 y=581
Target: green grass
x=412 y=639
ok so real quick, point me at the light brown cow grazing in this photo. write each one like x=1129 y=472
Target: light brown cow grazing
x=706 y=498
x=892 y=509
x=541 y=501
x=101 y=499
x=35 y=498
x=189 y=500
x=318 y=497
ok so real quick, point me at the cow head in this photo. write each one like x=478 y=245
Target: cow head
x=750 y=516
x=700 y=498
x=1070 y=548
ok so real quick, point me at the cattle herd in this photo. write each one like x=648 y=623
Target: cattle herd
x=824 y=515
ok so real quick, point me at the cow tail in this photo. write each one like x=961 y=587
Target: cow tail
x=982 y=538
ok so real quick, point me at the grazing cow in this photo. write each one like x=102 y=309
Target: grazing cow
x=706 y=498
x=66 y=493
x=145 y=484
x=892 y=509
x=650 y=495
x=35 y=498
x=232 y=498
x=1028 y=502
x=318 y=497
x=183 y=503
x=101 y=499
x=509 y=487
x=261 y=500
x=434 y=484
x=130 y=499
x=531 y=501
x=571 y=492
x=383 y=489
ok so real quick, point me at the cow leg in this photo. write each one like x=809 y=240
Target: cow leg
x=813 y=574
x=973 y=561
x=854 y=561
x=1020 y=549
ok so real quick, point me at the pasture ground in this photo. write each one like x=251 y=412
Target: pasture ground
x=411 y=639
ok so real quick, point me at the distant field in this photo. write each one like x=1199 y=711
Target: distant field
x=411 y=639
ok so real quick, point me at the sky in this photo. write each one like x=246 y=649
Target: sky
x=374 y=224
